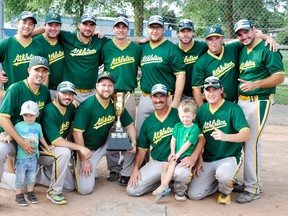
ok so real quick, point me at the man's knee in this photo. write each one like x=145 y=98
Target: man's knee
x=133 y=191
x=182 y=175
x=194 y=195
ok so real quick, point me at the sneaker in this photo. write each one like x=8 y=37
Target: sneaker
x=20 y=199
x=123 y=181
x=32 y=198
x=180 y=196
x=224 y=199
x=58 y=199
x=113 y=176
x=247 y=197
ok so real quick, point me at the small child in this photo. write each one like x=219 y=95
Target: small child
x=184 y=139
x=26 y=164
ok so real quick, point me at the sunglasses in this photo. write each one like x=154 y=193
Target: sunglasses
x=187 y=23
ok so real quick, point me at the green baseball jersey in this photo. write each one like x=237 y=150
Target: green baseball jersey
x=81 y=59
x=191 y=55
x=96 y=125
x=54 y=53
x=122 y=63
x=160 y=64
x=227 y=117
x=56 y=124
x=183 y=134
x=259 y=63
x=225 y=67
x=17 y=94
x=156 y=132
x=15 y=58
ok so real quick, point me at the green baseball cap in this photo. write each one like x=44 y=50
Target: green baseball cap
x=106 y=75
x=53 y=17
x=66 y=86
x=213 y=31
x=156 y=19
x=88 y=17
x=28 y=14
x=123 y=20
x=212 y=81
x=185 y=24
x=39 y=61
x=242 y=24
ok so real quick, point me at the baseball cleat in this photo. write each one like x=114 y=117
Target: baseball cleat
x=224 y=199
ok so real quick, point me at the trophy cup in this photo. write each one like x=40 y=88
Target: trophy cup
x=118 y=139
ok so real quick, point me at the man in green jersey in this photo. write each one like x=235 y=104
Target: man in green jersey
x=17 y=51
x=191 y=51
x=91 y=129
x=56 y=123
x=156 y=132
x=161 y=62
x=225 y=129
x=52 y=50
x=28 y=89
x=121 y=58
x=261 y=70
x=82 y=56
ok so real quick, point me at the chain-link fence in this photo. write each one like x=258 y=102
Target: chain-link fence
x=268 y=15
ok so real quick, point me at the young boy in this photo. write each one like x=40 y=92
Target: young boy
x=26 y=164
x=184 y=139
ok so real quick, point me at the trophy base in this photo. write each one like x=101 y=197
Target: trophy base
x=119 y=142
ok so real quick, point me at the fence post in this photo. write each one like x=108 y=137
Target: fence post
x=1 y=19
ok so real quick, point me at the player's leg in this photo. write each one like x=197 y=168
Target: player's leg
x=7 y=180
x=182 y=176
x=205 y=184
x=86 y=184
x=150 y=179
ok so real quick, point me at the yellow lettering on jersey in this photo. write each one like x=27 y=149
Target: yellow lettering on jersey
x=22 y=59
x=190 y=59
x=246 y=65
x=56 y=56
x=209 y=126
x=121 y=60
x=104 y=121
x=222 y=69
x=64 y=127
x=158 y=136
x=40 y=105
x=151 y=59
x=82 y=52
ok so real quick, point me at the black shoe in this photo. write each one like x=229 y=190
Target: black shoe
x=113 y=176
x=238 y=188
x=123 y=181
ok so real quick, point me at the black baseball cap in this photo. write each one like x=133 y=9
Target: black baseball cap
x=39 y=61
x=212 y=81
x=213 y=31
x=185 y=24
x=53 y=17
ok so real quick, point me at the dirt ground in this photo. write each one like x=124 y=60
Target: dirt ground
x=273 y=200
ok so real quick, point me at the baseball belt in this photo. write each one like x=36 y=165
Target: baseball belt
x=256 y=97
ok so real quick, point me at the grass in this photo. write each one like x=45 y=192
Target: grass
x=282 y=94
x=285 y=61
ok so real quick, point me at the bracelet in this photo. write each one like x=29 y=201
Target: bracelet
x=227 y=138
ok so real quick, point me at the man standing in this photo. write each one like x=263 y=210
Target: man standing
x=82 y=56
x=121 y=58
x=161 y=62
x=56 y=122
x=261 y=70
x=91 y=129
x=191 y=51
x=225 y=128
x=219 y=61
x=28 y=89
x=156 y=132
x=52 y=50
x=17 y=51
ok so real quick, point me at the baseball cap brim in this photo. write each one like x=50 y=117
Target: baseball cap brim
x=162 y=91
x=217 y=86
x=242 y=27
x=68 y=90
x=216 y=34
x=186 y=27
x=39 y=66
x=121 y=21
x=54 y=21
x=156 y=22
x=29 y=16
x=87 y=20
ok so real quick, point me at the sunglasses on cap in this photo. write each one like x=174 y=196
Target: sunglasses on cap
x=213 y=81
x=186 y=22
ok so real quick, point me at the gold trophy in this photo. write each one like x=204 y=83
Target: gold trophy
x=118 y=139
